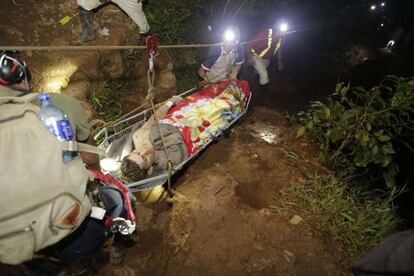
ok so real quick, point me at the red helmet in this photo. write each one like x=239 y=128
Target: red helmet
x=13 y=69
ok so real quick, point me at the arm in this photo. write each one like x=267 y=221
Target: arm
x=235 y=71
x=202 y=73
x=279 y=57
x=90 y=159
x=163 y=109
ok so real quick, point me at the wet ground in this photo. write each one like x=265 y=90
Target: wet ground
x=223 y=222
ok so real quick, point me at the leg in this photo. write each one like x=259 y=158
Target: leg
x=261 y=65
x=133 y=9
x=88 y=33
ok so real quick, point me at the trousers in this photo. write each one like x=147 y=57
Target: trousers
x=261 y=65
x=92 y=234
x=133 y=8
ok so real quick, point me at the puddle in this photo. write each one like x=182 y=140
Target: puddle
x=268 y=133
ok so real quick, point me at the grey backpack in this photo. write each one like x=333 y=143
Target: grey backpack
x=42 y=200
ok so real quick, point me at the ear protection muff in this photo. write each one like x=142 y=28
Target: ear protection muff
x=13 y=69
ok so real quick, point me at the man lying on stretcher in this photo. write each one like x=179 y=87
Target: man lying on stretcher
x=187 y=124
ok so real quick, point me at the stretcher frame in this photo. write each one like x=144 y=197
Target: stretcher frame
x=161 y=179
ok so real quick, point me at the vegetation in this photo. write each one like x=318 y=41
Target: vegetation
x=355 y=220
x=105 y=99
x=358 y=129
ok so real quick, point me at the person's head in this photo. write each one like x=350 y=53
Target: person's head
x=14 y=72
x=131 y=171
x=231 y=38
x=135 y=166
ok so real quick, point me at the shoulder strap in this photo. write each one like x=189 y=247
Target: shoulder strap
x=77 y=146
x=23 y=99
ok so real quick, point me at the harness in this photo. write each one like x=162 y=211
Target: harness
x=269 y=45
x=124 y=226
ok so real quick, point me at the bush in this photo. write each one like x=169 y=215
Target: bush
x=357 y=129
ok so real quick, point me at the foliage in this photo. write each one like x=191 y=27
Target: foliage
x=105 y=99
x=358 y=128
x=333 y=210
x=170 y=19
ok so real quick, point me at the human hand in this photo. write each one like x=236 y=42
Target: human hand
x=203 y=83
x=177 y=99
x=280 y=66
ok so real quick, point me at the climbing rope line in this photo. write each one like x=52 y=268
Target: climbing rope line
x=116 y=47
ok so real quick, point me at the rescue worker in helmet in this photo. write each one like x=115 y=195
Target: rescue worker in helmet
x=223 y=62
x=263 y=47
x=133 y=8
x=91 y=234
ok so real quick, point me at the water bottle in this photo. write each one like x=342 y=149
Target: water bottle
x=57 y=122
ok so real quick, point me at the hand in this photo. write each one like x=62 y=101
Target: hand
x=177 y=99
x=203 y=83
x=280 y=66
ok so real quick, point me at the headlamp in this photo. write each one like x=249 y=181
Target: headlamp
x=373 y=7
x=283 y=27
x=229 y=36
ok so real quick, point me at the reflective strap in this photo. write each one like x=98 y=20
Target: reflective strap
x=269 y=43
x=278 y=45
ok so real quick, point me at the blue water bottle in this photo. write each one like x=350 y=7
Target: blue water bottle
x=57 y=122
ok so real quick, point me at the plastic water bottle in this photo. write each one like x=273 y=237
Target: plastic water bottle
x=57 y=122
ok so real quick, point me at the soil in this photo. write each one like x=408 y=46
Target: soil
x=222 y=221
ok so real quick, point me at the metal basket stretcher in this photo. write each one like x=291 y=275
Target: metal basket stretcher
x=116 y=136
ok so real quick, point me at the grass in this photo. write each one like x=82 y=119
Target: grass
x=105 y=99
x=357 y=221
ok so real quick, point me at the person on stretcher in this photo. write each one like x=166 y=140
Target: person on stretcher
x=186 y=124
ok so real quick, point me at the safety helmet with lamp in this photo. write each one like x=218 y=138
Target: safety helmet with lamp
x=13 y=68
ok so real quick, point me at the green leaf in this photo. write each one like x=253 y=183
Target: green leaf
x=300 y=132
x=384 y=138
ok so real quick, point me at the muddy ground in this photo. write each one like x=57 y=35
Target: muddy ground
x=223 y=222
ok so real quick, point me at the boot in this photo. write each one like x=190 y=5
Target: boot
x=264 y=88
x=88 y=33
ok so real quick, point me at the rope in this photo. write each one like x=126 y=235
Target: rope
x=150 y=98
x=114 y=47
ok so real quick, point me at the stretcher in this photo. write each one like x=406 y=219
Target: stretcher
x=117 y=143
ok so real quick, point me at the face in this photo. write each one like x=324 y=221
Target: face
x=144 y=158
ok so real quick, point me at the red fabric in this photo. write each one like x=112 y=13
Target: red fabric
x=259 y=43
x=108 y=179
x=207 y=92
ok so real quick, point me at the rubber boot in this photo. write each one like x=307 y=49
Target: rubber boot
x=264 y=88
x=143 y=38
x=88 y=33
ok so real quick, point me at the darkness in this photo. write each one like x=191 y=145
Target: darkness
x=333 y=41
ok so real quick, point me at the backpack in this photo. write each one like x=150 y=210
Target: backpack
x=42 y=200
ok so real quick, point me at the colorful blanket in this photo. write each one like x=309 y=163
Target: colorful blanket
x=203 y=115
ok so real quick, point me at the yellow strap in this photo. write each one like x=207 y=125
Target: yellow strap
x=278 y=46
x=269 y=44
